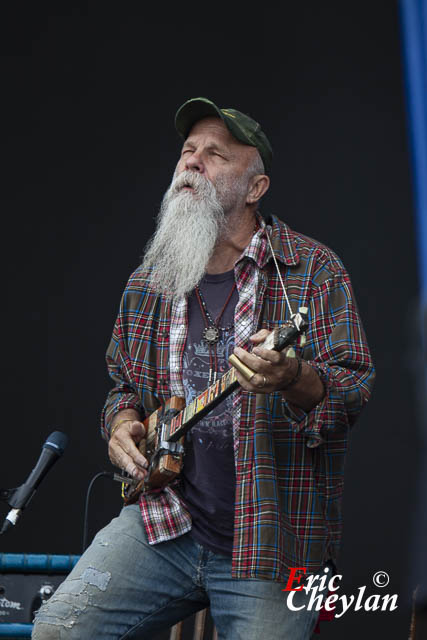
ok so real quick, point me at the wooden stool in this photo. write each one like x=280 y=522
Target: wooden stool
x=198 y=631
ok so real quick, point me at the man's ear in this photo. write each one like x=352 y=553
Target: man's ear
x=258 y=185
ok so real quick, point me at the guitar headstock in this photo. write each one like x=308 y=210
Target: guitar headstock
x=278 y=339
x=289 y=333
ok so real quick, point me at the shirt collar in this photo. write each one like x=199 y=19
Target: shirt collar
x=282 y=241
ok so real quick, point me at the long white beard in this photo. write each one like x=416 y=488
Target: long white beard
x=189 y=225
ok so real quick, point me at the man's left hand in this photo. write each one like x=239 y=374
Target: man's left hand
x=273 y=369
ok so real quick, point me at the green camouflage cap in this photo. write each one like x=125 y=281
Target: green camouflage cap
x=241 y=126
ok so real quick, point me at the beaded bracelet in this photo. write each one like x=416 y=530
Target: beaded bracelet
x=296 y=377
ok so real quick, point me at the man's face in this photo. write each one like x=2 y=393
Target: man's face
x=214 y=153
x=210 y=183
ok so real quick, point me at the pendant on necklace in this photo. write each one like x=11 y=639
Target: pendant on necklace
x=210 y=335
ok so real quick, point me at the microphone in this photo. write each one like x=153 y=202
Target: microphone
x=19 y=498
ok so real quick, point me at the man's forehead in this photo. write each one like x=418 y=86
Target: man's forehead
x=212 y=132
x=215 y=128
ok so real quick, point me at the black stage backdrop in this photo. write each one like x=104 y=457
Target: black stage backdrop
x=89 y=147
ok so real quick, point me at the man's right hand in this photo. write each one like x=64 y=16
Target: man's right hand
x=123 y=450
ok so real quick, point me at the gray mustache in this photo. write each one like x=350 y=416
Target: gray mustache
x=190 y=179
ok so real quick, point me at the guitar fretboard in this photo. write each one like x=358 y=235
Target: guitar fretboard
x=202 y=404
x=213 y=395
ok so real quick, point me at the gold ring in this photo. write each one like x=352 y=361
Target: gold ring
x=264 y=382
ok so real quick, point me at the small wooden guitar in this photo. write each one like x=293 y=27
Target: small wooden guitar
x=165 y=428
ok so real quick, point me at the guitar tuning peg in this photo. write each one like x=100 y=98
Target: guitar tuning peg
x=302 y=340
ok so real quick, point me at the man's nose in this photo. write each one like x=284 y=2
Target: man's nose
x=194 y=163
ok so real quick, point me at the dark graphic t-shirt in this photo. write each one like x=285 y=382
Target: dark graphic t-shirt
x=208 y=476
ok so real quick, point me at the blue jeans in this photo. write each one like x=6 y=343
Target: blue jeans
x=124 y=588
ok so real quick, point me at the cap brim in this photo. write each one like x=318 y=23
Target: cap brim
x=192 y=111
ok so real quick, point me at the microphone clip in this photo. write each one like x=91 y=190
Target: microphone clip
x=7 y=495
x=15 y=498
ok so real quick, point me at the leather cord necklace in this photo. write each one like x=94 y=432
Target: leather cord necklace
x=211 y=331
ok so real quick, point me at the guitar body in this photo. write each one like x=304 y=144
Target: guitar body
x=169 y=463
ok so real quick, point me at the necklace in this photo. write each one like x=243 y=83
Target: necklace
x=211 y=331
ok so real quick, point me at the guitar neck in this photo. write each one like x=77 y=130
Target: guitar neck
x=206 y=401
x=202 y=405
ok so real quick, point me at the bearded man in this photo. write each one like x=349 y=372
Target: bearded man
x=260 y=491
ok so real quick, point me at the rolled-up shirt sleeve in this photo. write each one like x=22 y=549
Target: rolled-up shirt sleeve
x=338 y=350
x=124 y=393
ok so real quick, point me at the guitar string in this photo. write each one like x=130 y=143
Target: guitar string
x=279 y=274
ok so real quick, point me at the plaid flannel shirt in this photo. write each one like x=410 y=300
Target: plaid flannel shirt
x=289 y=462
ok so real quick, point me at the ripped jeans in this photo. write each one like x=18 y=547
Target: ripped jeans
x=124 y=588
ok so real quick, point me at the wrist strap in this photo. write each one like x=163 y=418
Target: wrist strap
x=296 y=377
